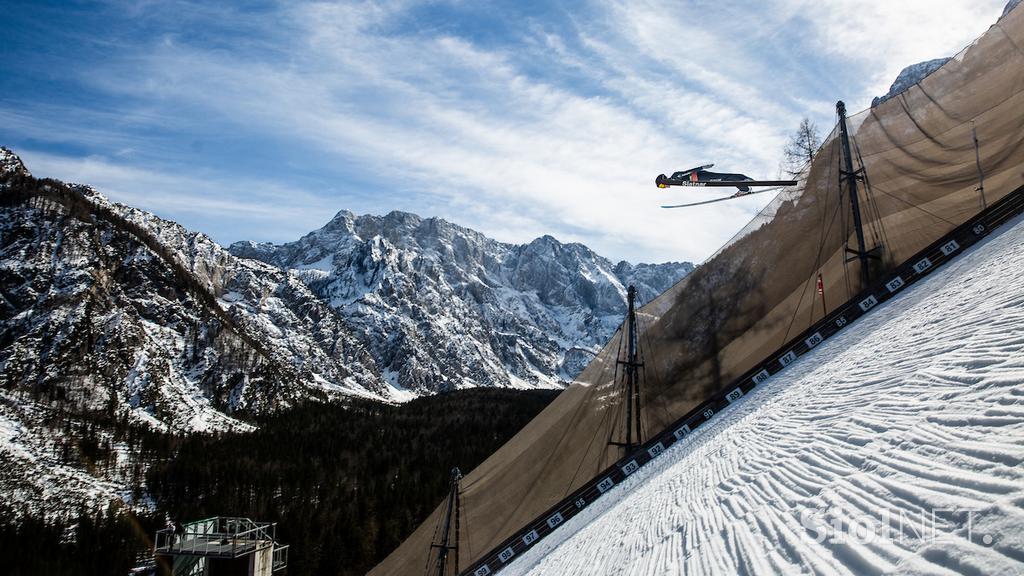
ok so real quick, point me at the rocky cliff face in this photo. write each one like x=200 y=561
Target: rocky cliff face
x=441 y=306
x=110 y=310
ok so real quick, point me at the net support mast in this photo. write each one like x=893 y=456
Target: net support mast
x=977 y=161
x=851 y=176
x=451 y=526
x=632 y=382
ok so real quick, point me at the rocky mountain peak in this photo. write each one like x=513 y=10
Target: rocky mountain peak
x=395 y=226
x=343 y=221
x=545 y=244
x=909 y=76
x=1009 y=7
x=916 y=72
x=10 y=163
x=442 y=306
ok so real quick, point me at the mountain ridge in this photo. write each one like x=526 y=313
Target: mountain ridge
x=536 y=307
x=366 y=276
x=113 y=318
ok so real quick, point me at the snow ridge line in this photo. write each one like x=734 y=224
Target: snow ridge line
x=911 y=271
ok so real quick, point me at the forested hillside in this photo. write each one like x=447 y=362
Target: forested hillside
x=346 y=483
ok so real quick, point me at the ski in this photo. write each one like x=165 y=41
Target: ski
x=664 y=182
x=733 y=197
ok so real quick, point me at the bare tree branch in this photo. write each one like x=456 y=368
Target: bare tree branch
x=801 y=147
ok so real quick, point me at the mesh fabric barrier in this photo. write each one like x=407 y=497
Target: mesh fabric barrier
x=760 y=289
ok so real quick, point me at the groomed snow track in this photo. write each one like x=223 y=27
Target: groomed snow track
x=910 y=272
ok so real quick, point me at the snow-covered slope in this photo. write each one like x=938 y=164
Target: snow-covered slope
x=442 y=306
x=897 y=446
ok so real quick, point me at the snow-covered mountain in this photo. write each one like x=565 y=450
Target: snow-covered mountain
x=109 y=309
x=896 y=447
x=107 y=306
x=441 y=306
x=111 y=316
x=908 y=77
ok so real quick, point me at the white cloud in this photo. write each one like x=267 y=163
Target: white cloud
x=882 y=37
x=467 y=125
x=474 y=134
x=208 y=203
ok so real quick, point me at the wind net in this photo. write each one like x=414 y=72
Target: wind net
x=919 y=179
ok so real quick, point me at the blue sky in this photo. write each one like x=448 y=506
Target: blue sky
x=261 y=120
